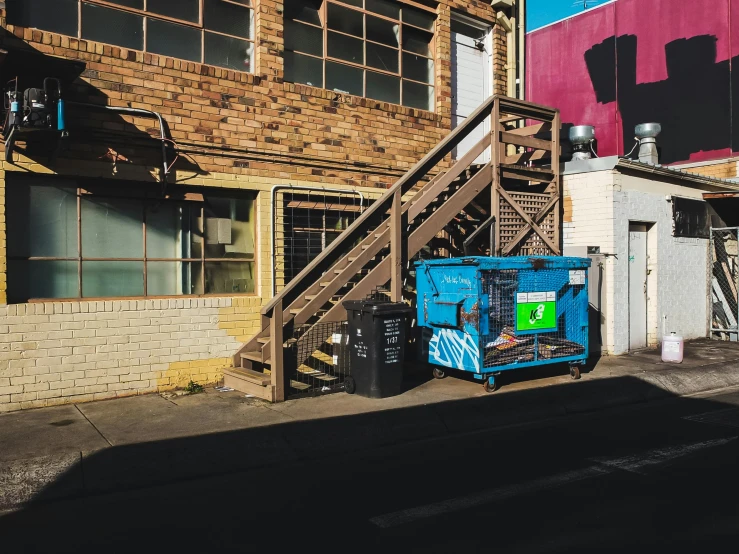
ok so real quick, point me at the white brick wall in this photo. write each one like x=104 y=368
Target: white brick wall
x=602 y=205
x=57 y=352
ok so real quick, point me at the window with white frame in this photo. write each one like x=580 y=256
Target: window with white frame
x=214 y=32
x=379 y=49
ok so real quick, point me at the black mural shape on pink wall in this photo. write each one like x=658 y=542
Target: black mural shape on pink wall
x=694 y=103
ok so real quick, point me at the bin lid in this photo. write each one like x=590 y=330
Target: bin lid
x=377 y=307
x=512 y=262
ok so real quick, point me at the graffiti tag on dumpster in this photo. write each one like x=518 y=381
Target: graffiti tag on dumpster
x=457 y=280
x=452 y=348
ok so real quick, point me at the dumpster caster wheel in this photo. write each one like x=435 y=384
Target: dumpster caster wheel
x=350 y=385
x=439 y=373
x=491 y=385
x=574 y=372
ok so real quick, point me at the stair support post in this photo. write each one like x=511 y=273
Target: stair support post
x=396 y=248
x=277 y=364
x=556 y=124
x=495 y=155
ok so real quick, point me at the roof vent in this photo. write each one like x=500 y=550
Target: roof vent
x=582 y=138
x=646 y=134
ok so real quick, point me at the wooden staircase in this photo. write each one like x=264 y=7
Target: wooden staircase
x=375 y=250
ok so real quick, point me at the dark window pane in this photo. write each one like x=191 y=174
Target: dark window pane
x=171 y=39
x=342 y=78
x=42 y=221
x=229 y=277
x=227 y=18
x=382 y=58
x=164 y=230
x=345 y=20
x=112 y=228
x=304 y=10
x=171 y=278
x=188 y=10
x=418 y=96
x=112 y=26
x=383 y=7
x=303 y=69
x=383 y=87
x=418 y=68
x=41 y=279
x=419 y=18
x=229 y=52
x=345 y=48
x=380 y=30
x=100 y=279
x=357 y=3
x=56 y=16
x=303 y=38
x=417 y=42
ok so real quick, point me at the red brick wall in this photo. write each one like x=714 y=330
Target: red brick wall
x=253 y=124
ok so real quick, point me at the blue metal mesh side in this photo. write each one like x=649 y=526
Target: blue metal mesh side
x=503 y=346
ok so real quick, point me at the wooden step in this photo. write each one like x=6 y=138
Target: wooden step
x=253 y=357
x=256 y=377
x=248 y=382
x=263 y=340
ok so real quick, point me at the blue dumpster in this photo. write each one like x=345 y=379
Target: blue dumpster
x=487 y=315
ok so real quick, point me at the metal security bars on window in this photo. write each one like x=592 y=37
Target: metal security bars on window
x=378 y=49
x=214 y=32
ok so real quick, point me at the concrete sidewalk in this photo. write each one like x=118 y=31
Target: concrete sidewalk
x=149 y=440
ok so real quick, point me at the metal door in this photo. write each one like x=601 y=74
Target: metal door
x=637 y=286
x=470 y=84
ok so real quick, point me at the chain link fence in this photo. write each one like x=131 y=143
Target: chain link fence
x=724 y=283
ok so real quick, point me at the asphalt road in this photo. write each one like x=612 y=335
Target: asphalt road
x=657 y=478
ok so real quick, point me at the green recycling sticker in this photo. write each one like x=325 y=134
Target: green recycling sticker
x=536 y=312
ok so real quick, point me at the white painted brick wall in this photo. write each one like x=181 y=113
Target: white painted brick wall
x=603 y=203
x=57 y=352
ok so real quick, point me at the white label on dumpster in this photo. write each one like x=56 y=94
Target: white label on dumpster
x=551 y=296
x=521 y=297
x=577 y=277
x=538 y=297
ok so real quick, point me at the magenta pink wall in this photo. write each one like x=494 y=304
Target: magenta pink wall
x=558 y=75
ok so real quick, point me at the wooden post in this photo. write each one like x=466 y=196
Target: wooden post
x=396 y=248
x=276 y=353
x=495 y=168
x=557 y=184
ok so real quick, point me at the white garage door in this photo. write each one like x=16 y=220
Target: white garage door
x=470 y=86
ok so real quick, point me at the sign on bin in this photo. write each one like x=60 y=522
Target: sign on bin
x=536 y=312
x=393 y=347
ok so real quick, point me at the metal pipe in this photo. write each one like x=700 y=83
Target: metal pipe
x=273 y=198
x=521 y=49
x=143 y=113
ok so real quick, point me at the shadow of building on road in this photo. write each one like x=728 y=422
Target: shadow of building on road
x=266 y=462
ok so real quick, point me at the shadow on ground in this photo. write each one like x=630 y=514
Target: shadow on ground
x=271 y=481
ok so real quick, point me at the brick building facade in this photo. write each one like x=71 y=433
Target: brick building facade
x=97 y=300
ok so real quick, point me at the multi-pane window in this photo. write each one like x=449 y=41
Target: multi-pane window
x=215 y=32
x=379 y=49
x=78 y=240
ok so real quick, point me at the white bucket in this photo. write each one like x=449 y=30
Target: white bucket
x=673 y=348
